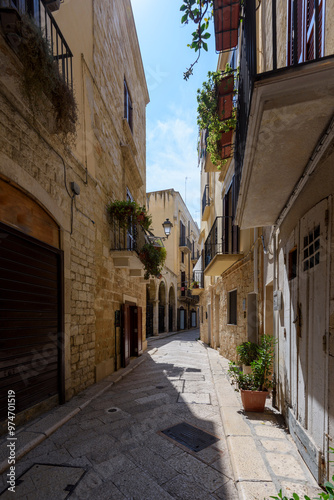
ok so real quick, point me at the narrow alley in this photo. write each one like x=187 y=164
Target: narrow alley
x=124 y=444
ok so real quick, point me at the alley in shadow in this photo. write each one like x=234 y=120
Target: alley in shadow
x=128 y=444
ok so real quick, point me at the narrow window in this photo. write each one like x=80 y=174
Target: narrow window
x=128 y=106
x=293 y=264
x=182 y=257
x=232 y=307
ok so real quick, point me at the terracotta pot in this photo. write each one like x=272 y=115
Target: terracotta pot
x=226 y=85
x=253 y=400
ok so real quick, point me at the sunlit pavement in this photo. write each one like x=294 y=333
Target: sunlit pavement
x=118 y=440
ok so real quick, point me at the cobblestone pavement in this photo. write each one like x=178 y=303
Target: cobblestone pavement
x=114 y=447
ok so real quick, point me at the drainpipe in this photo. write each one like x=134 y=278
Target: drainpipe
x=275 y=332
x=256 y=264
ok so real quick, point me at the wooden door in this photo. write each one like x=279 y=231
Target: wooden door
x=313 y=310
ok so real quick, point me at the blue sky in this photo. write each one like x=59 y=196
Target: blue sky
x=171 y=114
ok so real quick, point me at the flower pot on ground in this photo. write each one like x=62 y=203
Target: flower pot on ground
x=259 y=380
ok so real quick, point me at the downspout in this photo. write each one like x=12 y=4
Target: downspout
x=275 y=333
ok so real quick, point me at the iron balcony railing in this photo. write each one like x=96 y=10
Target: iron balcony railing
x=223 y=239
x=205 y=198
x=248 y=62
x=199 y=277
x=185 y=242
x=195 y=255
x=130 y=238
x=43 y=18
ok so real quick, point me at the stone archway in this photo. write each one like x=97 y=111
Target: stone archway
x=171 y=309
x=150 y=303
x=162 y=307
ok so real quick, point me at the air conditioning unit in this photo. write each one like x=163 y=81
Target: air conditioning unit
x=52 y=5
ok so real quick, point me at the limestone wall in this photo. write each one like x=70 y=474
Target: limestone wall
x=37 y=163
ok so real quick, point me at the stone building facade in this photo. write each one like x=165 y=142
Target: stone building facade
x=53 y=199
x=182 y=254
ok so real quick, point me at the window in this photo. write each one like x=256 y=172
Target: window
x=232 y=307
x=293 y=264
x=182 y=257
x=311 y=250
x=183 y=284
x=130 y=233
x=128 y=106
x=302 y=19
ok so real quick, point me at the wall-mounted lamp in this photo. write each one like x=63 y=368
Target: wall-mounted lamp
x=167 y=225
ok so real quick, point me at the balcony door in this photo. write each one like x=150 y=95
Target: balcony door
x=305 y=33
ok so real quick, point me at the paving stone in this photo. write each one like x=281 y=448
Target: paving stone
x=198 y=472
x=234 y=426
x=140 y=487
x=194 y=398
x=259 y=490
x=184 y=489
x=269 y=431
x=241 y=449
x=285 y=465
x=153 y=464
x=277 y=445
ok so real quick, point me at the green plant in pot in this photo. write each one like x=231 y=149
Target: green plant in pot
x=254 y=386
x=122 y=210
x=153 y=258
x=247 y=353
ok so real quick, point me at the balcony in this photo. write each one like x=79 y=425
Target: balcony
x=198 y=277
x=195 y=254
x=186 y=296
x=206 y=203
x=185 y=245
x=125 y=246
x=221 y=248
x=40 y=11
x=284 y=119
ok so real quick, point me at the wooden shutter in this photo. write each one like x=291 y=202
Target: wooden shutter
x=30 y=320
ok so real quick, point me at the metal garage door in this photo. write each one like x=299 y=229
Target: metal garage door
x=30 y=319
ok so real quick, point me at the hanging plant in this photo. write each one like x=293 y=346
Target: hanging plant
x=153 y=259
x=200 y=13
x=211 y=115
x=123 y=209
x=41 y=76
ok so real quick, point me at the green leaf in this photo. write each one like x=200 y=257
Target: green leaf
x=205 y=46
x=295 y=496
x=183 y=7
x=184 y=18
x=206 y=36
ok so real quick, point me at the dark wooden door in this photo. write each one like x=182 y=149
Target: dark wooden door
x=31 y=320
x=126 y=334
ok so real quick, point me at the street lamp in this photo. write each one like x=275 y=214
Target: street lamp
x=167 y=225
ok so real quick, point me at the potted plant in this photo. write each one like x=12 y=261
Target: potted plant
x=153 y=259
x=194 y=284
x=247 y=352
x=254 y=386
x=211 y=115
x=123 y=209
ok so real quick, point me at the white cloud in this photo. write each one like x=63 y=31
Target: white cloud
x=172 y=157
